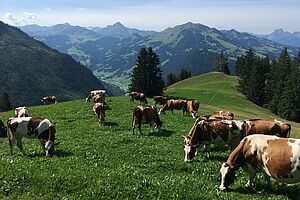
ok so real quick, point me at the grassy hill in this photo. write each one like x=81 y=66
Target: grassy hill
x=110 y=162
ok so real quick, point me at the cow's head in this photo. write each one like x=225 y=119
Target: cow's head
x=227 y=176
x=189 y=149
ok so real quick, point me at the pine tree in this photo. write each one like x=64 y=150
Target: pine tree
x=184 y=74
x=171 y=79
x=5 y=104
x=221 y=64
x=147 y=75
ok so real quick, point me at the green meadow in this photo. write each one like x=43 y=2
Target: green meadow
x=109 y=162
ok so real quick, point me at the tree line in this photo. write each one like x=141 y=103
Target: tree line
x=274 y=84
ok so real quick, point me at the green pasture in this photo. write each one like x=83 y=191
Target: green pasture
x=109 y=162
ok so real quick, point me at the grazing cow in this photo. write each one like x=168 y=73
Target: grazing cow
x=138 y=96
x=224 y=114
x=99 y=98
x=49 y=99
x=93 y=93
x=207 y=132
x=29 y=127
x=267 y=127
x=214 y=117
x=145 y=115
x=172 y=104
x=160 y=100
x=21 y=112
x=3 y=129
x=99 y=109
x=192 y=107
x=274 y=156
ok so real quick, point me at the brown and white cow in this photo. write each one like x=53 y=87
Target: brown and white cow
x=172 y=104
x=193 y=107
x=98 y=98
x=159 y=100
x=49 y=100
x=93 y=93
x=138 y=96
x=206 y=132
x=32 y=128
x=224 y=114
x=21 y=112
x=99 y=109
x=274 y=156
x=267 y=127
x=145 y=115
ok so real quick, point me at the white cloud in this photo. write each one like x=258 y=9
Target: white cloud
x=22 y=19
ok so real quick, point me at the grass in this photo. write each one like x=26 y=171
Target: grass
x=110 y=162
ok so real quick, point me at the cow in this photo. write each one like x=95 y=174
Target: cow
x=192 y=107
x=21 y=112
x=213 y=117
x=172 y=104
x=224 y=114
x=146 y=115
x=138 y=96
x=99 y=109
x=159 y=100
x=32 y=128
x=3 y=129
x=49 y=100
x=99 y=98
x=267 y=127
x=274 y=156
x=92 y=93
x=206 y=132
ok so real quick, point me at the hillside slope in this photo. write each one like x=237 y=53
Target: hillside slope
x=30 y=70
x=217 y=91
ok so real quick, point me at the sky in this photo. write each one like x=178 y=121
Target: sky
x=255 y=16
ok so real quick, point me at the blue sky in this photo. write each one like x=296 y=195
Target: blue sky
x=256 y=16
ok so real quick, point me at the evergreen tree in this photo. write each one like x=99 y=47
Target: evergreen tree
x=171 y=79
x=184 y=74
x=5 y=104
x=221 y=64
x=147 y=75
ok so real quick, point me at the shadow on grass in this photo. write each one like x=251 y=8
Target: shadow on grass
x=111 y=124
x=290 y=191
x=162 y=133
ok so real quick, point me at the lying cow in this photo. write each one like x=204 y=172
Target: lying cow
x=138 y=96
x=29 y=127
x=3 y=129
x=172 y=104
x=99 y=109
x=207 y=132
x=21 y=112
x=192 y=107
x=49 y=100
x=274 y=156
x=267 y=127
x=159 y=100
x=93 y=93
x=224 y=114
x=145 y=115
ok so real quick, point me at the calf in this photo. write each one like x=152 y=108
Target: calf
x=21 y=112
x=274 y=156
x=49 y=100
x=160 y=100
x=192 y=107
x=172 y=104
x=207 y=132
x=138 y=96
x=145 y=114
x=267 y=127
x=99 y=109
x=32 y=128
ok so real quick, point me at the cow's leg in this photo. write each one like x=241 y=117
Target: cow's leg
x=20 y=146
x=251 y=173
x=207 y=149
x=11 y=141
x=267 y=179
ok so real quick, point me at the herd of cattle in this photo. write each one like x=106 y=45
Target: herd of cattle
x=257 y=145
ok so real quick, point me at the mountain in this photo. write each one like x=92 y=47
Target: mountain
x=190 y=45
x=30 y=70
x=283 y=37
